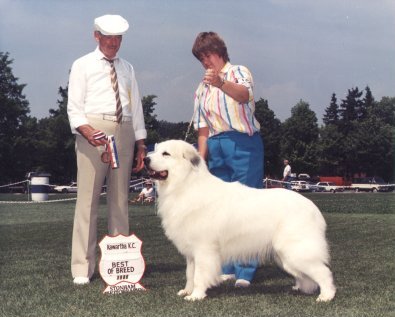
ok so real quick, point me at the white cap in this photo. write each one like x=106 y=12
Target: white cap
x=111 y=25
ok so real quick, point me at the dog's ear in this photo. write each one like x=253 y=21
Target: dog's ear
x=193 y=156
x=195 y=160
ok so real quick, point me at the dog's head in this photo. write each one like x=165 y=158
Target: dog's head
x=172 y=159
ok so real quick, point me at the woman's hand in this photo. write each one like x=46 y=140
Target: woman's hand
x=211 y=77
x=236 y=91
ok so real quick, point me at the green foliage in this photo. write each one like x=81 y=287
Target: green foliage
x=384 y=110
x=14 y=122
x=54 y=142
x=177 y=131
x=331 y=115
x=361 y=141
x=271 y=135
x=358 y=136
x=151 y=123
x=330 y=150
x=350 y=108
x=299 y=139
x=373 y=143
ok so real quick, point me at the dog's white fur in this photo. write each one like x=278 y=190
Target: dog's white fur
x=212 y=222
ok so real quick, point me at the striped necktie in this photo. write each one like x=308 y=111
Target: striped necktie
x=114 y=83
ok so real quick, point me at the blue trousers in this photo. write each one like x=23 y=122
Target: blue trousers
x=235 y=156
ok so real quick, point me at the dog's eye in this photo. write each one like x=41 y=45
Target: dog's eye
x=165 y=154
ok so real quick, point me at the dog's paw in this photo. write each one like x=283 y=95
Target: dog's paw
x=325 y=297
x=327 y=294
x=196 y=295
x=183 y=292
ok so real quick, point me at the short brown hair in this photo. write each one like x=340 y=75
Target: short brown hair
x=210 y=42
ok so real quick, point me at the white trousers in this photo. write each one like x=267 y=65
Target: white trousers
x=92 y=174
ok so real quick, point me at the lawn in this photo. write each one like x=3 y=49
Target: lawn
x=35 y=266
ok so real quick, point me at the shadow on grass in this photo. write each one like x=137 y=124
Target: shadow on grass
x=153 y=268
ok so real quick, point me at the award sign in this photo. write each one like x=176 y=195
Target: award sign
x=121 y=264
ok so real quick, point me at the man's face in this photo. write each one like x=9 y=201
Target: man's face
x=108 y=44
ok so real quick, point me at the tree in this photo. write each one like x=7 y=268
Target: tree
x=385 y=110
x=374 y=137
x=350 y=109
x=331 y=115
x=362 y=142
x=55 y=143
x=367 y=104
x=331 y=151
x=358 y=136
x=14 y=110
x=300 y=139
x=271 y=135
x=170 y=130
x=331 y=141
x=151 y=123
x=373 y=148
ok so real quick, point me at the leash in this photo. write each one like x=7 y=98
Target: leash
x=190 y=124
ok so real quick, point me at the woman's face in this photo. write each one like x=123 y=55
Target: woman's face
x=108 y=44
x=212 y=61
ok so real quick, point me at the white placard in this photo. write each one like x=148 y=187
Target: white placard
x=121 y=264
x=122 y=287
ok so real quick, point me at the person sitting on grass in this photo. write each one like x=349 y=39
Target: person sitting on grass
x=147 y=194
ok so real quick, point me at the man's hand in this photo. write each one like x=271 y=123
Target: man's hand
x=94 y=137
x=140 y=155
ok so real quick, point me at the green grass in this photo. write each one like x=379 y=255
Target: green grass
x=35 y=242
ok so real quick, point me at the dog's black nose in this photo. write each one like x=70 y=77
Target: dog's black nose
x=147 y=160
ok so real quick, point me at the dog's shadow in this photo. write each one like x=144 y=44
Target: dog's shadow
x=166 y=268
x=268 y=279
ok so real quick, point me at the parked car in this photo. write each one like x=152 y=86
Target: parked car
x=303 y=176
x=300 y=186
x=72 y=188
x=313 y=187
x=329 y=187
x=373 y=184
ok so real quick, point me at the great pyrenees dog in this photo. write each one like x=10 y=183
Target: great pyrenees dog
x=212 y=222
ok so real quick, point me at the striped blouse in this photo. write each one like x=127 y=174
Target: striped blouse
x=221 y=113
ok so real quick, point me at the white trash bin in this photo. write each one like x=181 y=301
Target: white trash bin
x=39 y=186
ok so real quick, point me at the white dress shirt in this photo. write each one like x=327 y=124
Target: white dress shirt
x=287 y=171
x=90 y=91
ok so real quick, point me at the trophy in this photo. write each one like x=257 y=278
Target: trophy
x=112 y=150
x=110 y=154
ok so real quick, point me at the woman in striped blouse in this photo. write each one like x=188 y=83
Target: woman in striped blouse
x=228 y=132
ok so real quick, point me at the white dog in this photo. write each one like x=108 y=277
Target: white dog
x=212 y=222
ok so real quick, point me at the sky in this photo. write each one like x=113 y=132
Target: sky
x=296 y=49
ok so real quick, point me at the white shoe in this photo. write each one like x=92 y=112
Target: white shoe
x=227 y=277
x=242 y=283
x=80 y=280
